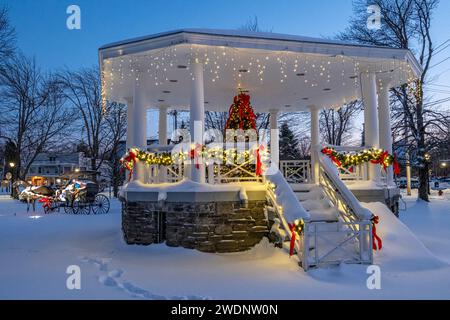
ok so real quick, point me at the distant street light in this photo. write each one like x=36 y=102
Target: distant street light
x=77 y=170
x=12 y=165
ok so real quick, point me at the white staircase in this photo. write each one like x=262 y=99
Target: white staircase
x=315 y=202
x=336 y=228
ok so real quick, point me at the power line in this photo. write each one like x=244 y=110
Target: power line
x=437 y=48
x=434 y=65
x=437 y=85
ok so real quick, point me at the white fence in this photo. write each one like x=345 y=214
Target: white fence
x=296 y=171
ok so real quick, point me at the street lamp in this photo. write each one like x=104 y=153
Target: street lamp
x=12 y=165
x=427 y=162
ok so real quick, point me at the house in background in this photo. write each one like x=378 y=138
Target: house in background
x=49 y=167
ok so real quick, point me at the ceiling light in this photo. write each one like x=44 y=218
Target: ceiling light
x=181 y=66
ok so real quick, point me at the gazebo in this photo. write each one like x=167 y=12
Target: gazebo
x=201 y=70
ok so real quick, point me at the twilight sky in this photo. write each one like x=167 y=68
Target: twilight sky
x=42 y=32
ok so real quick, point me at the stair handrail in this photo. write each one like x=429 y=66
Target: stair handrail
x=331 y=174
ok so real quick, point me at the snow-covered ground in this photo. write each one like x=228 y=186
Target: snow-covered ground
x=36 y=249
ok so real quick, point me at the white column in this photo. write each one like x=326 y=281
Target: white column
x=371 y=132
x=314 y=143
x=139 y=129
x=384 y=119
x=197 y=117
x=162 y=135
x=130 y=111
x=274 y=139
x=162 y=130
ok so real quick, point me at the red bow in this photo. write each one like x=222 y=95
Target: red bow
x=258 y=170
x=377 y=244
x=293 y=236
x=396 y=165
x=381 y=159
x=130 y=158
x=194 y=154
x=329 y=153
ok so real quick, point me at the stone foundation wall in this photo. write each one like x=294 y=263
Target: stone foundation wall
x=224 y=226
x=139 y=222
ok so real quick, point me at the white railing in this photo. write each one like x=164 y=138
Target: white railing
x=296 y=171
x=348 y=240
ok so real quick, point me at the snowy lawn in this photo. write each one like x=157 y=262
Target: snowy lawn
x=36 y=249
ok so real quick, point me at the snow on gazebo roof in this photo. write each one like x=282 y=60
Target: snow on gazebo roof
x=284 y=72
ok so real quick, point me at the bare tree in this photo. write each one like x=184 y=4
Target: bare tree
x=304 y=147
x=337 y=124
x=83 y=90
x=116 y=119
x=405 y=24
x=33 y=110
x=7 y=35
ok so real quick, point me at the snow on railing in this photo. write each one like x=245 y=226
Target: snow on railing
x=329 y=174
x=354 y=217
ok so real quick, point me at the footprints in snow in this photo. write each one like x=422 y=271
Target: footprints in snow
x=112 y=279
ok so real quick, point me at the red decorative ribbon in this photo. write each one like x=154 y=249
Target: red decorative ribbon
x=329 y=152
x=130 y=158
x=293 y=236
x=377 y=244
x=381 y=160
x=46 y=202
x=258 y=170
x=396 y=165
x=194 y=154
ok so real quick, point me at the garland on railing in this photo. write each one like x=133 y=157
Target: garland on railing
x=133 y=155
x=375 y=156
x=195 y=153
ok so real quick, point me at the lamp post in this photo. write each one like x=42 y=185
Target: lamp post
x=12 y=166
x=427 y=164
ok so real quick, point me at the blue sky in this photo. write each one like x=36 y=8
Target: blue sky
x=41 y=24
x=42 y=32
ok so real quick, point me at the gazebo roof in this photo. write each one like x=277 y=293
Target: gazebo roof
x=283 y=72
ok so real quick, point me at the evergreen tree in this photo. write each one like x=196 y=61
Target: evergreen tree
x=289 y=148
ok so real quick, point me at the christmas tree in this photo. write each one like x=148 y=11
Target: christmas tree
x=241 y=115
x=288 y=144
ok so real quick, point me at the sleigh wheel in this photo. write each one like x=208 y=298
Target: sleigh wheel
x=100 y=204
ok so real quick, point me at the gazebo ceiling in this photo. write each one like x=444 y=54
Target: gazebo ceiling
x=282 y=72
